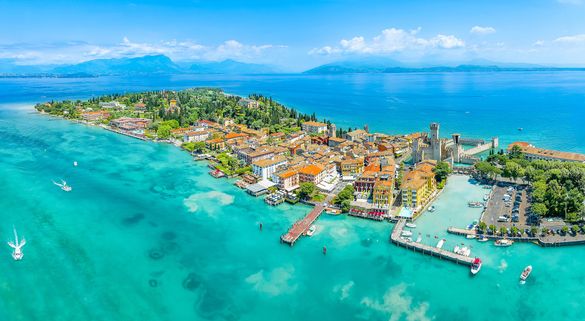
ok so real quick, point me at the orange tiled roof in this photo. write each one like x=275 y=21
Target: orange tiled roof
x=312 y=169
x=530 y=149
x=235 y=135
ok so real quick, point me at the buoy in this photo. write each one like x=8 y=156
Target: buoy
x=324 y=250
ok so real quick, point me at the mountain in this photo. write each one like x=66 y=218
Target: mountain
x=157 y=64
x=392 y=66
x=231 y=67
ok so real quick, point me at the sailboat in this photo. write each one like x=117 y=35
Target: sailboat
x=17 y=246
x=63 y=185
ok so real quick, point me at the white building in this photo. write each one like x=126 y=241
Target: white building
x=196 y=136
x=265 y=168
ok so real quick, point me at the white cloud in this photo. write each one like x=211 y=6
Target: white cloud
x=398 y=305
x=73 y=52
x=479 y=30
x=574 y=39
x=391 y=40
x=573 y=2
x=538 y=43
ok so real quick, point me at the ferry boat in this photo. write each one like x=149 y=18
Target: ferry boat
x=411 y=225
x=17 y=246
x=311 y=230
x=476 y=266
x=526 y=273
x=440 y=244
x=503 y=242
x=63 y=185
x=406 y=233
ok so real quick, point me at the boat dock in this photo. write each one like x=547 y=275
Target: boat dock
x=426 y=249
x=302 y=226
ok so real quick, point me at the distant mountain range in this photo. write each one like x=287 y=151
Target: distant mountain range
x=382 y=65
x=146 y=65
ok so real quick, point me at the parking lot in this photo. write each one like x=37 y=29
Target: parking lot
x=507 y=207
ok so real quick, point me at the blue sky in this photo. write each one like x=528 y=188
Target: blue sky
x=295 y=34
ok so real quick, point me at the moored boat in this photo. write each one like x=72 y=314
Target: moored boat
x=526 y=273
x=406 y=233
x=432 y=208
x=411 y=225
x=470 y=236
x=475 y=204
x=476 y=266
x=311 y=230
x=483 y=238
x=503 y=242
x=441 y=243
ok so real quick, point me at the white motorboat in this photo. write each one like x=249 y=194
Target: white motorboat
x=311 y=230
x=476 y=266
x=432 y=208
x=411 y=225
x=63 y=185
x=17 y=246
x=483 y=238
x=470 y=236
x=406 y=233
x=503 y=242
x=75 y=163
x=419 y=238
x=456 y=249
x=526 y=273
x=441 y=243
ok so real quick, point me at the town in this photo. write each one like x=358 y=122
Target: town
x=275 y=151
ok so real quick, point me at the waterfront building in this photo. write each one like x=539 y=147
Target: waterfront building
x=235 y=136
x=133 y=125
x=215 y=144
x=313 y=127
x=251 y=155
x=111 y=104
x=95 y=115
x=314 y=173
x=418 y=185
x=288 y=180
x=267 y=167
x=195 y=136
x=382 y=195
x=533 y=153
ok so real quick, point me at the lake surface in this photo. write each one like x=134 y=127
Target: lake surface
x=147 y=234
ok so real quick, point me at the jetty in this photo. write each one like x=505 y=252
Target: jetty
x=426 y=249
x=300 y=227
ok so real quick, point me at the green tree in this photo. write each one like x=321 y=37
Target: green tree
x=565 y=229
x=493 y=228
x=442 y=170
x=515 y=152
x=533 y=230
x=345 y=194
x=482 y=226
x=503 y=231
x=575 y=229
x=345 y=205
x=163 y=131
x=306 y=189
x=540 y=209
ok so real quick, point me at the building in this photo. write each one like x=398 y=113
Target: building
x=133 y=125
x=313 y=127
x=140 y=107
x=111 y=104
x=215 y=144
x=352 y=167
x=288 y=180
x=313 y=173
x=265 y=168
x=332 y=130
x=249 y=103
x=95 y=115
x=382 y=195
x=357 y=135
x=533 y=153
x=196 y=136
x=418 y=186
x=250 y=155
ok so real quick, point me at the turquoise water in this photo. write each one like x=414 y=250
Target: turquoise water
x=147 y=234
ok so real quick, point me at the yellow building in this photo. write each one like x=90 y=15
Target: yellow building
x=382 y=195
x=418 y=185
x=352 y=167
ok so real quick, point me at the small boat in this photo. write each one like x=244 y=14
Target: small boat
x=441 y=243
x=486 y=197
x=503 y=242
x=470 y=236
x=406 y=233
x=419 y=238
x=432 y=208
x=483 y=238
x=487 y=187
x=75 y=163
x=63 y=185
x=311 y=230
x=17 y=246
x=411 y=225
x=476 y=266
x=475 y=204
x=526 y=273
x=465 y=251
x=456 y=249
x=520 y=129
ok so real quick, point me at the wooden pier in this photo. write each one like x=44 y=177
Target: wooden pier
x=426 y=249
x=302 y=226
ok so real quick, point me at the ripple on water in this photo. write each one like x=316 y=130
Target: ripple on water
x=133 y=220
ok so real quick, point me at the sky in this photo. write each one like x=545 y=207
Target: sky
x=295 y=35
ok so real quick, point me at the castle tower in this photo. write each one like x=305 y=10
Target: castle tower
x=435 y=142
x=366 y=128
x=332 y=130
x=457 y=149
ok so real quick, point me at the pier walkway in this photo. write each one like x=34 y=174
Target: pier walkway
x=302 y=226
x=426 y=249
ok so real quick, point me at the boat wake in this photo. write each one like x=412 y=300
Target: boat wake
x=63 y=185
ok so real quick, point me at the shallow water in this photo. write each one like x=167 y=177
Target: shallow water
x=147 y=234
